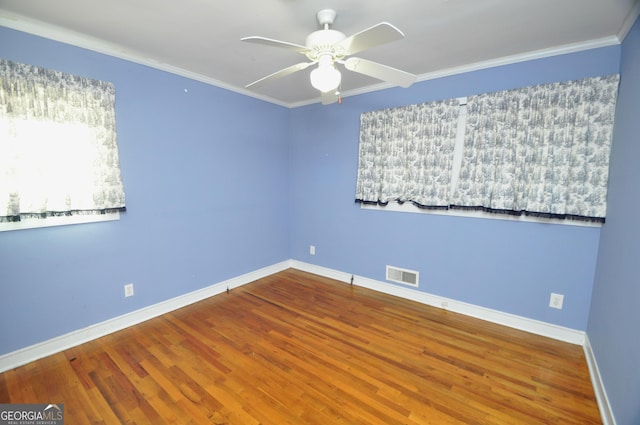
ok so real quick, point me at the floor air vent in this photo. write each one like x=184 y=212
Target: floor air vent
x=404 y=276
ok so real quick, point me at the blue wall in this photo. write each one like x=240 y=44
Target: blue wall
x=219 y=184
x=508 y=266
x=206 y=190
x=615 y=311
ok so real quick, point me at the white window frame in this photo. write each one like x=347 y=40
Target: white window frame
x=35 y=223
x=408 y=207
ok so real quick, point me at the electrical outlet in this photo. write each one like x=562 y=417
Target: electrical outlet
x=312 y=249
x=128 y=290
x=556 y=300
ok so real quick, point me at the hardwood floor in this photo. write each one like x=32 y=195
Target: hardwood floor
x=295 y=348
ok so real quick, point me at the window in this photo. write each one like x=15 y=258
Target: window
x=58 y=146
x=538 y=151
x=406 y=154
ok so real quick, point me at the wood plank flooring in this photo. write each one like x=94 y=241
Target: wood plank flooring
x=295 y=348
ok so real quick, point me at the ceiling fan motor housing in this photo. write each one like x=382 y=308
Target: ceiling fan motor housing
x=324 y=41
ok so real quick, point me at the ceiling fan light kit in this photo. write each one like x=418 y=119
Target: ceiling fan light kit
x=325 y=77
x=328 y=47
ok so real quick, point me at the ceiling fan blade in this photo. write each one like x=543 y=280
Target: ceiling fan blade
x=376 y=35
x=329 y=97
x=275 y=43
x=282 y=73
x=379 y=71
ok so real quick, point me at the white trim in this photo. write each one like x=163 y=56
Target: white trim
x=537 y=327
x=459 y=146
x=59 y=221
x=55 y=345
x=408 y=207
x=560 y=333
x=629 y=21
x=37 y=351
x=524 y=57
x=62 y=35
x=491 y=63
x=598 y=386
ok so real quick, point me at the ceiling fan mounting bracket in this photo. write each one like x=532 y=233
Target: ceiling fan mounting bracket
x=326 y=17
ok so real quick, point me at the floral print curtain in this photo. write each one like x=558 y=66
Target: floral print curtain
x=406 y=154
x=541 y=150
x=58 y=147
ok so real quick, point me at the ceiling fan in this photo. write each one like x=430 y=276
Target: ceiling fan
x=328 y=47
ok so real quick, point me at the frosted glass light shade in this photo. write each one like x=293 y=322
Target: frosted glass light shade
x=325 y=77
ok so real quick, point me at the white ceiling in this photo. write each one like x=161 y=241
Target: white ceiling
x=201 y=38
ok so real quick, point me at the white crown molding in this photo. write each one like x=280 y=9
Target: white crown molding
x=62 y=35
x=598 y=385
x=66 y=36
x=524 y=57
x=492 y=63
x=631 y=19
x=55 y=345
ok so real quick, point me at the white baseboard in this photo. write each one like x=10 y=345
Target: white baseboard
x=598 y=386
x=28 y=354
x=534 y=326
x=511 y=320
x=55 y=345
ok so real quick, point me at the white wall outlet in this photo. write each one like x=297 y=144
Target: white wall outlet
x=556 y=300
x=312 y=249
x=128 y=290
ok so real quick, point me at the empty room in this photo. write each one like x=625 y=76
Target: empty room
x=314 y=212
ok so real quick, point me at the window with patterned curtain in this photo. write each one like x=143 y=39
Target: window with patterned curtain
x=539 y=151
x=406 y=154
x=58 y=145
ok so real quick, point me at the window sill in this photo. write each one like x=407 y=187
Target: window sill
x=410 y=208
x=58 y=221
